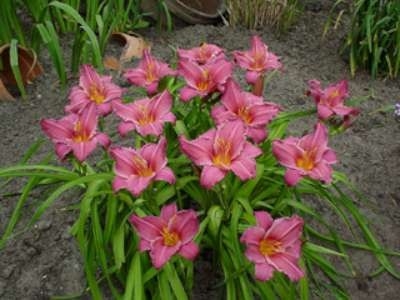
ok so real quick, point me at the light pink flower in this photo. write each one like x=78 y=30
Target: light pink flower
x=93 y=89
x=306 y=156
x=222 y=150
x=251 y=110
x=149 y=72
x=257 y=60
x=136 y=169
x=330 y=101
x=169 y=234
x=203 y=80
x=146 y=116
x=274 y=245
x=76 y=133
x=206 y=53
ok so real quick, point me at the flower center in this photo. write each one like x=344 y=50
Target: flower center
x=79 y=134
x=306 y=161
x=141 y=166
x=96 y=95
x=258 y=62
x=204 y=83
x=222 y=157
x=269 y=247
x=150 y=73
x=146 y=117
x=170 y=239
x=244 y=113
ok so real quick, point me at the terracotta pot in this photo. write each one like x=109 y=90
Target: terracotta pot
x=191 y=11
x=29 y=66
x=196 y=11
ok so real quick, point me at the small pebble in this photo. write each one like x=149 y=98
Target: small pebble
x=43 y=225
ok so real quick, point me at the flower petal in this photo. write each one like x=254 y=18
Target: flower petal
x=287 y=265
x=189 y=251
x=210 y=176
x=292 y=177
x=263 y=272
x=264 y=219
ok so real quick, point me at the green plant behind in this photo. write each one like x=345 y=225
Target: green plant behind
x=374 y=38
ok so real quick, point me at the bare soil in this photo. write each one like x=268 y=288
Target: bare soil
x=44 y=261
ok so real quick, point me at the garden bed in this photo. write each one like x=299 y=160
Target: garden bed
x=45 y=261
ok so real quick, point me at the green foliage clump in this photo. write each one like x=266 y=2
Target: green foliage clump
x=374 y=38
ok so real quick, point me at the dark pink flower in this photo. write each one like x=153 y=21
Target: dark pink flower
x=203 y=80
x=306 y=156
x=93 y=89
x=149 y=73
x=330 y=101
x=136 y=169
x=206 y=53
x=146 y=116
x=251 y=110
x=76 y=133
x=169 y=234
x=257 y=60
x=222 y=150
x=274 y=245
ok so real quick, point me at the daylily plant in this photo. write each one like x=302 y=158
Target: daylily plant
x=222 y=150
x=75 y=133
x=169 y=234
x=146 y=116
x=203 y=80
x=306 y=156
x=251 y=110
x=95 y=90
x=274 y=245
x=222 y=156
x=257 y=61
x=205 y=54
x=148 y=73
x=136 y=169
x=330 y=101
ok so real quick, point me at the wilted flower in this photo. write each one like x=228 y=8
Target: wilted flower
x=257 y=60
x=146 y=116
x=170 y=233
x=136 y=169
x=274 y=245
x=222 y=150
x=76 y=133
x=330 y=101
x=306 y=156
x=206 y=53
x=203 y=80
x=251 y=110
x=95 y=90
x=148 y=73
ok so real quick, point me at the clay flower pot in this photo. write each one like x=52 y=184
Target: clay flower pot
x=191 y=11
x=29 y=68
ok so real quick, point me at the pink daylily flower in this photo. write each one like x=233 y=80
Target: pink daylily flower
x=136 y=169
x=222 y=150
x=206 y=53
x=149 y=73
x=169 y=234
x=274 y=245
x=306 y=156
x=330 y=101
x=146 y=116
x=93 y=89
x=202 y=80
x=257 y=60
x=251 y=110
x=75 y=133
